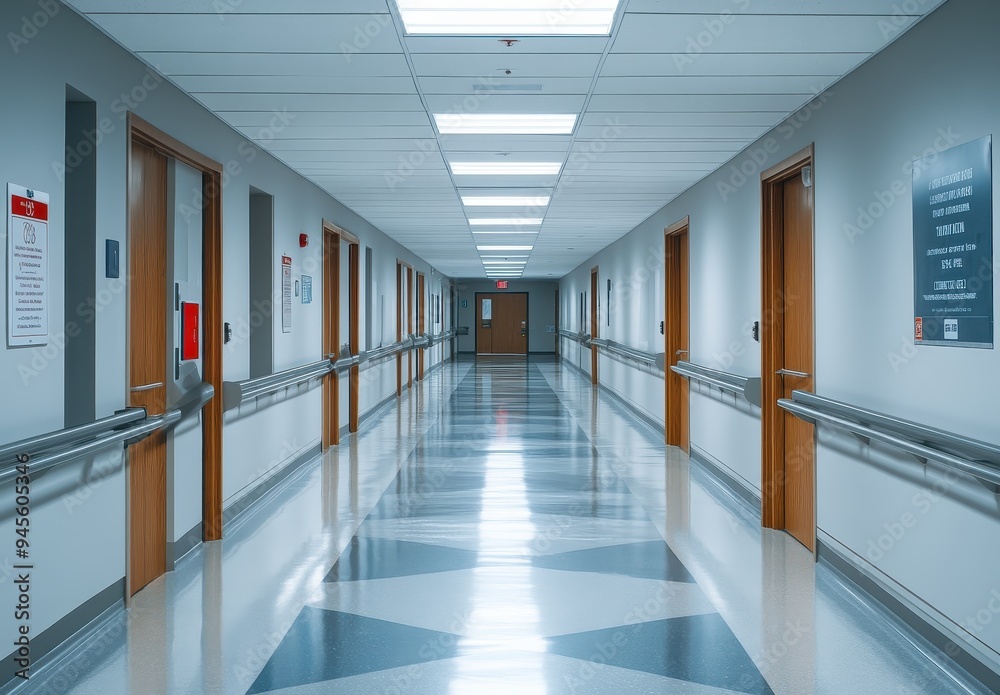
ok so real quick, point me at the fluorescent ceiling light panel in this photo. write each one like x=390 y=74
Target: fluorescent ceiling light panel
x=505 y=257
x=505 y=123
x=506 y=264
x=505 y=201
x=505 y=248
x=508 y=17
x=503 y=221
x=506 y=168
x=534 y=232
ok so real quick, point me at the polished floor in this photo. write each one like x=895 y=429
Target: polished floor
x=501 y=530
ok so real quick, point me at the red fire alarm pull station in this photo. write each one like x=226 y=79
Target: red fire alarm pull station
x=190 y=348
x=303 y=240
x=502 y=284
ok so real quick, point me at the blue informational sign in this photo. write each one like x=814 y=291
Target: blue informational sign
x=953 y=246
x=307 y=289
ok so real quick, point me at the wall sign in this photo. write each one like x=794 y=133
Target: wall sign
x=503 y=284
x=953 y=246
x=27 y=266
x=286 y=294
x=307 y=289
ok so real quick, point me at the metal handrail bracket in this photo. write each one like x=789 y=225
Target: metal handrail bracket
x=749 y=388
x=236 y=393
x=35 y=446
x=650 y=359
x=127 y=436
x=976 y=458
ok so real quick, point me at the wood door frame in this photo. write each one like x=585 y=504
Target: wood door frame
x=421 y=321
x=595 y=321
x=558 y=335
x=354 y=329
x=772 y=336
x=331 y=332
x=527 y=317
x=410 y=282
x=143 y=132
x=676 y=239
x=401 y=267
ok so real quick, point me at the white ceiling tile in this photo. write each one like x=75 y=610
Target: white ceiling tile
x=230 y=32
x=657 y=33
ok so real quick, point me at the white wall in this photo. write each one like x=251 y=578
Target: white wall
x=928 y=90
x=78 y=527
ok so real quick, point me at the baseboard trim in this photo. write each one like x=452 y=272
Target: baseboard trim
x=66 y=634
x=184 y=545
x=730 y=482
x=952 y=656
x=377 y=408
x=633 y=409
x=237 y=508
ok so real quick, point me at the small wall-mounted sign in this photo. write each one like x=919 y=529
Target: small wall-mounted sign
x=503 y=284
x=307 y=289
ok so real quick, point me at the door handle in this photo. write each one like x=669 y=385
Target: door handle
x=681 y=352
x=147 y=387
x=791 y=372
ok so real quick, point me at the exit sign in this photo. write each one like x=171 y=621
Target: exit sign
x=502 y=284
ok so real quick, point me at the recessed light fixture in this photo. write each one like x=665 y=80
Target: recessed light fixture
x=505 y=123
x=506 y=168
x=506 y=264
x=507 y=231
x=500 y=18
x=504 y=221
x=495 y=201
x=505 y=248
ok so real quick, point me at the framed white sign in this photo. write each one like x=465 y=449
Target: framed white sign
x=27 y=266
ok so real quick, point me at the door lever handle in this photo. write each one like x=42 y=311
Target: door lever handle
x=792 y=372
x=681 y=352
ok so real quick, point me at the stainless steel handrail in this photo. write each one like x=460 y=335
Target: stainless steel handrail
x=650 y=359
x=439 y=338
x=35 y=446
x=582 y=338
x=236 y=393
x=127 y=437
x=979 y=459
x=748 y=387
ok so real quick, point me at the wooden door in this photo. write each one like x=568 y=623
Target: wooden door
x=595 y=325
x=421 y=323
x=558 y=337
x=331 y=334
x=676 y=334
x=400 y=294
x=354 y=332
x=502 y=324
x=409 y=325
x=510 y=325
x=147 y=361
x=788 y=352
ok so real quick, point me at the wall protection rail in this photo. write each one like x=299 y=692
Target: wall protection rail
x=650 y=359
x=976 y=458
x=123 y=429
x=746 y=387
x=581 y=338
x=236 y=393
